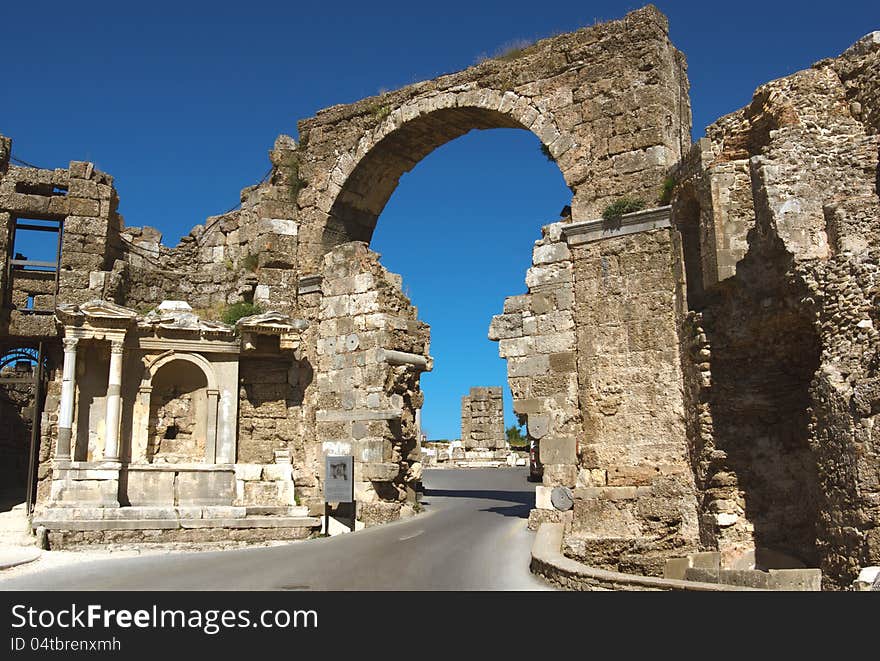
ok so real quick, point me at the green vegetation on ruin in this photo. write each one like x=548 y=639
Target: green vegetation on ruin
x=622 y=206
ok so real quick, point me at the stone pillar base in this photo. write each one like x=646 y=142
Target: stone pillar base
x=85 y=483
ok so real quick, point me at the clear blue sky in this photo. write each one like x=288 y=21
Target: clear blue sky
x=180 y=101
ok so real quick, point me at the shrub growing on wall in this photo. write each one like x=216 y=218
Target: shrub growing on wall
x=622 y=206
x=237 y=311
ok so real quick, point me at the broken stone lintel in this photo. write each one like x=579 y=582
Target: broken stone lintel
x=589 y=231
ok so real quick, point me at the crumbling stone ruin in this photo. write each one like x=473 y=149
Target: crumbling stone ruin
x=725 y=345
x=700 y=374
x=482 y=419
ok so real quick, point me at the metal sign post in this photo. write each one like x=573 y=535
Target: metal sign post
x=338 y=484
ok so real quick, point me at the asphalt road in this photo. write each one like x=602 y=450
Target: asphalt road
x=471 y=536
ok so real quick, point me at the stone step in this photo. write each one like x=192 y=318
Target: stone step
x=173 y=524
x=281 y=510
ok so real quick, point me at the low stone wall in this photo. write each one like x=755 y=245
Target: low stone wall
x=78 y=527
x=707 y=567
x=549 y=563
x=80 y=539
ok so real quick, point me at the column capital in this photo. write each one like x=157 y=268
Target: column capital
x=70 y=343
x=117 y=346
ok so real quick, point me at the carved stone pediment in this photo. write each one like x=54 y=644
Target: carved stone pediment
x=179 y=316
x=95 y=313
x=272 y=323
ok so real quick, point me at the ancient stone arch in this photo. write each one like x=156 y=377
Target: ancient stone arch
x=610 y=105
x=609 y=102
x=161 y=360
x=370 y=172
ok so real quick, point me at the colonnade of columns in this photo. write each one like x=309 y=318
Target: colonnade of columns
x=114 y=400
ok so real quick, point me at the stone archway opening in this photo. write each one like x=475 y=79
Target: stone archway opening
x=417 y=249
x=395 y=148
x=612 y=136
x=20 y=406
x=178 y=414
x=372 y=182
x=485 y=197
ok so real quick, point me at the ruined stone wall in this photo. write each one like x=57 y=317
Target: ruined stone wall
x=782 y=444
x=371 y=350
x=631 y=403
x=482 y=419
x=246 y=255
x=271 y=414
x=594 y=365
x=536 y=336
x=84 y=201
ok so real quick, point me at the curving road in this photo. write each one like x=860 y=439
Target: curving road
x=472 y=536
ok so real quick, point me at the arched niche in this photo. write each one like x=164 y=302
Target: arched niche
x=179 y=397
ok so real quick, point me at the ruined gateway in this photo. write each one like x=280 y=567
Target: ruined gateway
x=703 y=374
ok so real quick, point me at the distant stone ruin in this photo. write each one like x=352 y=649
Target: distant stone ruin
x=482 y=419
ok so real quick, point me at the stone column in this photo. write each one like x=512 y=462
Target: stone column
x=114 y=402
x=65 y=412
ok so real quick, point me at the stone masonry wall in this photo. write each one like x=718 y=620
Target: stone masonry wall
x=536 y=335
x=785 y=457
x=84 y=201
x=371 y=350
x=271 y=409
x=482 y=419
x=593 y=364
x=247 y=255
x=631 y=401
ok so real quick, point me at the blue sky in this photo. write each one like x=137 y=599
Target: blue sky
x=181 y=101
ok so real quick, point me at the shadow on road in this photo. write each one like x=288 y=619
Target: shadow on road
x=524 y=500
x=517 y=511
